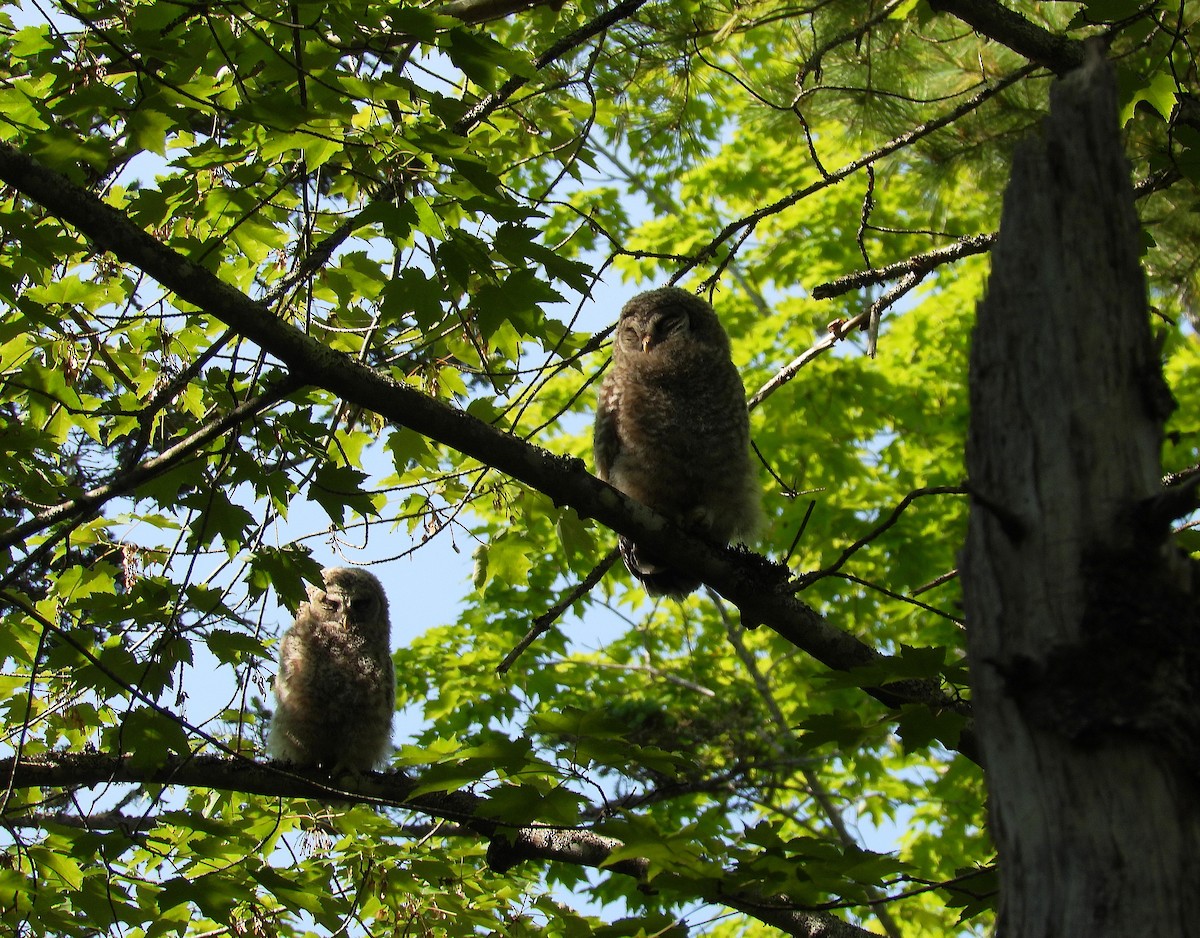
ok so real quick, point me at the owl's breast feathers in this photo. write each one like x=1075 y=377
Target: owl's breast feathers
x=659 y=443
x=672 y=430
x=336 y=686
x=323 y=677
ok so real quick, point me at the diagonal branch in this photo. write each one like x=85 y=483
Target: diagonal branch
x=126 y=481
x=543 y=622
x=836 y=331
x=1058 y=53
x=754 y=584
x=743 y=226
x=805 y=581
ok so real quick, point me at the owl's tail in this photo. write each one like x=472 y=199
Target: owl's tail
x=658 y=579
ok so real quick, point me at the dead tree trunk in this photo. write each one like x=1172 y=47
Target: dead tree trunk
x=1082 y=622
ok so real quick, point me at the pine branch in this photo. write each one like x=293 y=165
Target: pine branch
x=1058 y=53
x=746 y=225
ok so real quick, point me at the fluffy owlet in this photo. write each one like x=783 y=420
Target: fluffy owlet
x=336 y=688
x=672 y=430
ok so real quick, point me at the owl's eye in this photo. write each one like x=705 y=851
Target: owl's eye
x=331 y=604
x=676 y=320
x=630 y=337
x=670 y=322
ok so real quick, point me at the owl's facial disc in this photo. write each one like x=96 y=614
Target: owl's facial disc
x=630 y=338
x=358 y=608
x=662 y=325
x=348 y=609
x=332 y=603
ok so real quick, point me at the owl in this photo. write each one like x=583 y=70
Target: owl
x=336 y=688
x=672 y=429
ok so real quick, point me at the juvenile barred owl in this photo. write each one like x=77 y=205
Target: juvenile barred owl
x=336 y=688
x=672 y=429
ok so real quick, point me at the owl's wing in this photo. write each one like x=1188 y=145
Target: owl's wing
x=606 y=437
x=291 y=653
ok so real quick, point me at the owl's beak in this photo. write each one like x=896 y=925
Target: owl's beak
x=647 y=341
x=351 y=615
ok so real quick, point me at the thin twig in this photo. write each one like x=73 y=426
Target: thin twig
x=864 y=219
x=543 y=622
x=892 y=594
x=896 y=143
x=812 y=64
x=800 y=533
x=918 y=263
x=807 y=579
x=935 y=582
x=838 y=330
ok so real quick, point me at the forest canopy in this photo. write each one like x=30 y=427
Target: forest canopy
x=293 y=284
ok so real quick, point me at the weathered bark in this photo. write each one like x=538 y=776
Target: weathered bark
x=1082 y=630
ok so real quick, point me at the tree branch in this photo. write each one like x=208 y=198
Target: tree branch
x=1009 y=28
x=835 y=332
x=750 y=222
x=481 y=11
x=508 y=846
x=754 y=584
x=543 y=622
x=917 y=264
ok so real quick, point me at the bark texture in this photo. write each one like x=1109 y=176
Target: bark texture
x=1082 y=621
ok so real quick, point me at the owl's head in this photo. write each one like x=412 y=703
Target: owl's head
x=352 y=598
x=665 y=322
